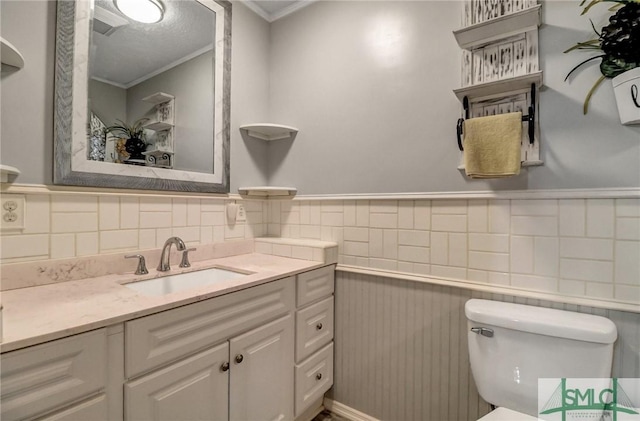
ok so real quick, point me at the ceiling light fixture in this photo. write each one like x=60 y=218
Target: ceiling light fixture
x=145 y=11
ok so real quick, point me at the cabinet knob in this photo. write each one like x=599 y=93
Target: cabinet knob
x=319 y=376
x=224 y=366
x=239 y=358
x=319 y=326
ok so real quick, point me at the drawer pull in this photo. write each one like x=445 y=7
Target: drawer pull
x=319 y=326
x=239 y=358
x=319 y=376
x=224 y=367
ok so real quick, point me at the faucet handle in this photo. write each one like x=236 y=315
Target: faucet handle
x=184 y=263
x=142 y=266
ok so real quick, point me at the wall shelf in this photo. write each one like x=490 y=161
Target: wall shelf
x=10 y=55
x=6 y=171
x=158 y=126
x=267 y=191
x=269 y=131
x=498 y=28
x=499 y=88
x=158 y=98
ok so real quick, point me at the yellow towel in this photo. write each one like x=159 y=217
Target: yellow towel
x=492 y=146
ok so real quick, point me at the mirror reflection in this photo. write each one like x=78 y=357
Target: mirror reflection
x=151 y=84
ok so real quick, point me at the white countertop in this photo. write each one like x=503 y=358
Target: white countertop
x=48 y=312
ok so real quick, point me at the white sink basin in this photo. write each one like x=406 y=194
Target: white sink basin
x=174 y=283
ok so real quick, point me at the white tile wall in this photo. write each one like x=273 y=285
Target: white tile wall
x=577 y=247
x=69 y=225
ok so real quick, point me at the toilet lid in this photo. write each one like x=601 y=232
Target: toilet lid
x=505 y=414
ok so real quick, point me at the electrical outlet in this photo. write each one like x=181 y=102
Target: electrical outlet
x=241 y=216
x=13 y=212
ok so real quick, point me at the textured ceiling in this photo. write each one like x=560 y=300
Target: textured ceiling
x=136 y=50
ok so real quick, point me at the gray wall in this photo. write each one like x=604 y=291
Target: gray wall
x=369 y=85
x=26 y=125
x=192 y=85
x=27 y=95
x=108 y=102
x=401 y=348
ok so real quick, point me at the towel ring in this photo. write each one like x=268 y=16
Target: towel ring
x=529 y=118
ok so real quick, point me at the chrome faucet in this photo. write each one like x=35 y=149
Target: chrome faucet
x=166 y=251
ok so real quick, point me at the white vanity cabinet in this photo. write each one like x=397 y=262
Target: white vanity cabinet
x=221 y=359
x=261 y=353
x=314 y=337
x=68 y=379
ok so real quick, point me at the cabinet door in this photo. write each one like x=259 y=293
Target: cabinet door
x=195 y=388
x=261 y=385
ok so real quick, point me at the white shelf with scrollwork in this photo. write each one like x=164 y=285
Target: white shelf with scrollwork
x=498 y=28
x=163 y=125
x=500 y=67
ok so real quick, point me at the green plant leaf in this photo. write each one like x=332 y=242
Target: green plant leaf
x=592 y=44
x=585 y=106
x=586 y=61
x=589 y=6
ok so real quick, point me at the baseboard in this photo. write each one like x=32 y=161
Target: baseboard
x=346 y=411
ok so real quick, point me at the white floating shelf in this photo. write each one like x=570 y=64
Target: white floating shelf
x=269 y=131
x=498 y=28
x=158 y=126
x=158 y=98
x=10 y=55
x=266 y=191
x=6 y=171
x=499 y=87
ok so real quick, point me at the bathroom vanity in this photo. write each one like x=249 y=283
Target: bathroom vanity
x=260 y=348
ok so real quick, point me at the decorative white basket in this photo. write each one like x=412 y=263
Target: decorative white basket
x=627 y=90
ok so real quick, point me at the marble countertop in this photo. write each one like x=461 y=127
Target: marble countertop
x=43 y=313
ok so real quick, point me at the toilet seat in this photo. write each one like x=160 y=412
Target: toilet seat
x=505 y=414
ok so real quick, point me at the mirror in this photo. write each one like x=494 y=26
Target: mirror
x=143 y=105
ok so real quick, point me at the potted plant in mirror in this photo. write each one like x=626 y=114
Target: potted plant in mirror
x=619 y=46
x=135 y=142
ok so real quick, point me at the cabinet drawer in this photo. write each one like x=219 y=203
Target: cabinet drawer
x=314 y=328
x=164 y=337
x=313 y=378
x=42 y=378
x=94 y=409
x=313 y=285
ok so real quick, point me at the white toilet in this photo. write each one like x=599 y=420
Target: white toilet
x=512 y=345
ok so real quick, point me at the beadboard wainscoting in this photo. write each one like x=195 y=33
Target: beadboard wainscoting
x=401 y=348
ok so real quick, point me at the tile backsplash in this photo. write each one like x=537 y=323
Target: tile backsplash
x=71 y=225
x=574 y=247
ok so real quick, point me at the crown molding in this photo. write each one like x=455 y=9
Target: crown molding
x=272 y=17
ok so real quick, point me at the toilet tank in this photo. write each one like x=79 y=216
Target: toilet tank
x=533 y=342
